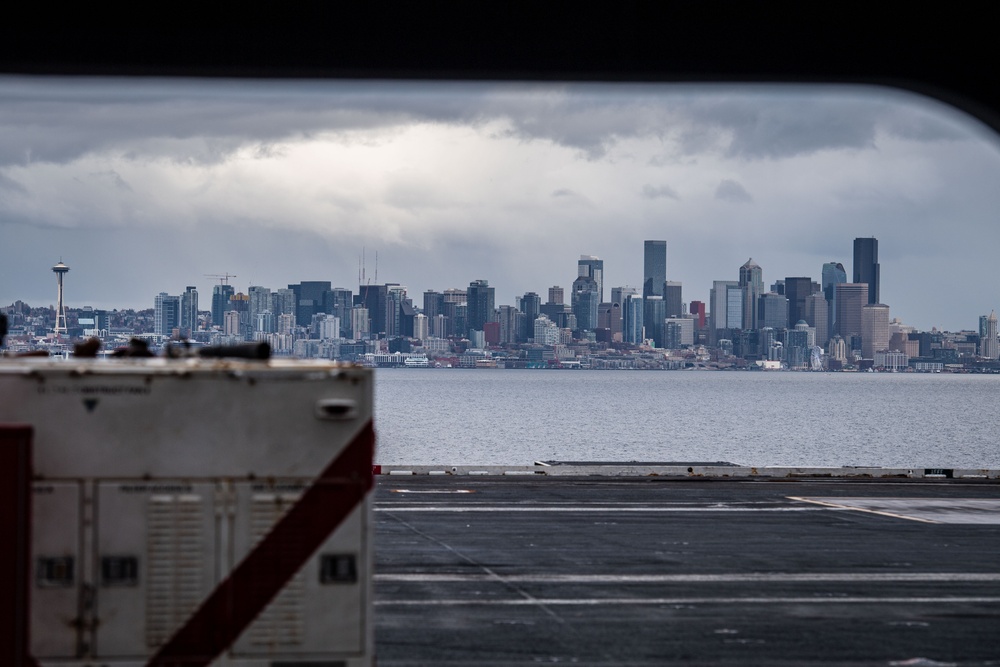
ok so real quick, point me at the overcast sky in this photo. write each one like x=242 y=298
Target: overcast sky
x=146 y=186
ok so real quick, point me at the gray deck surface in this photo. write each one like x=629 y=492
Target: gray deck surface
x=648 y=571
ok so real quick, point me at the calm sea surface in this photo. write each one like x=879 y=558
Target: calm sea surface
x=505 y=417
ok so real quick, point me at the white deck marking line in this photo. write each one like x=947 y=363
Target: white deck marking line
x=510 y=508
x=554 y=602
x=431 y=492
x=776 y=577
x=839 y=506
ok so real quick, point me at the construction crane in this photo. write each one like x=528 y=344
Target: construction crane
x=223 y=277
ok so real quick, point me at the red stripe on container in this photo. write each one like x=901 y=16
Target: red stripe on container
x=242 y=596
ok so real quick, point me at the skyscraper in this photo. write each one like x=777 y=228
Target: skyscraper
x=833 y=274
x=673 y=297
x=797 y=290
x=654 y=267
x=189 y=310
x=866 y=268
x=585 y=301
x=480 y=299
x=850 y=298
x=632 y=318
x=874 y=329
x=752 y=282
x=166 y=314
x=989 y=346
x=220 y=303
x=592 y=267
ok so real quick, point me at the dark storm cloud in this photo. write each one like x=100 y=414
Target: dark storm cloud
x=658 y=191
x=58 y=120
x=731 y=191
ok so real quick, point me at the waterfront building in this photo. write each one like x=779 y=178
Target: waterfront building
x=166 y=314
x=866 y=266
x=850 y=297
x=874 y=329
x=752 y=283
x=891 y=360
x=654 y=268
x=989 y=346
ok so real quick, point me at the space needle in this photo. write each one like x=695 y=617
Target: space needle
x=60 y=270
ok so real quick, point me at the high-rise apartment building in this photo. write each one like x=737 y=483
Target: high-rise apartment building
x=189 y=310
x=654 y=267
x=220 y=303
x=866 y=267
x=592 y=267
x=166 y=314
x=752 y=282
x=989 y=346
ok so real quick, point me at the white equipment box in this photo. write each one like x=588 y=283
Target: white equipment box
x=198 y=512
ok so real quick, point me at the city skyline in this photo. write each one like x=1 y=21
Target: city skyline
x=149 y=188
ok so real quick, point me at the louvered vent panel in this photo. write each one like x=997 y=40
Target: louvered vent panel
x=281 y=623
x=174 y=553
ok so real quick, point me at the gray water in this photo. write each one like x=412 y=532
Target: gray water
x=505 y=417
